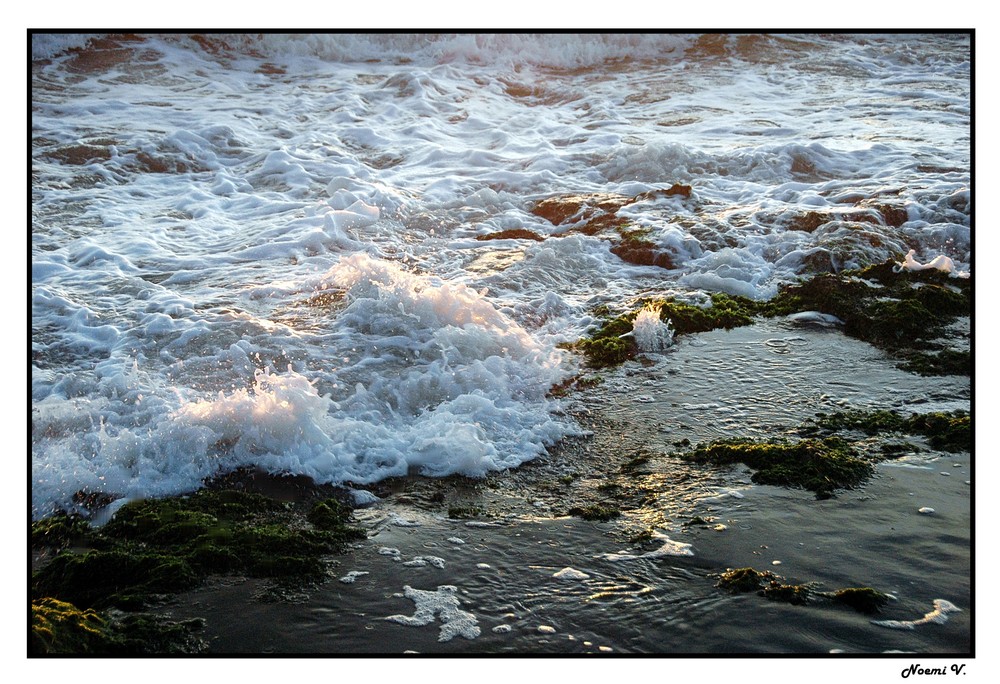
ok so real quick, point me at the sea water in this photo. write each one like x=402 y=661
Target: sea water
x=261 y=251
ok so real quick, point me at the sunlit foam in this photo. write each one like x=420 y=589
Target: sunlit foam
x=650 y=332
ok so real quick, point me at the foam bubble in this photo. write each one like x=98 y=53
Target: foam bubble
x=443 y=604
x=940 y=263
x=937 y=616
x=352 y=576
x=667 y=549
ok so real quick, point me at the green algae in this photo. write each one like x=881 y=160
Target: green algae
x=820 y=466
x=944 y=431
x=641 y=537
x=901 y=312
x=744 y=580
x=605 y=351
x=512 y=234
x=932 y=362
x=726 y=312
x=155 y=547
x=462 y=512
x=773 y=587
x=765 y=583
x=898 y=312
x=607 y=347
x=58 y=531
x=60 y=628
x=795 y=594
x=329 y=515
x=596 y=512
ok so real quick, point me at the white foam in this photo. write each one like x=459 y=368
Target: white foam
x=571 y=574
x=400 y=521
x=940 y=263
x=651 y=334
x=667 y=549
x=421 y=561
x=180 y=247
x=937 y=616
x=352 y=576
x=443 y=604
x=815 y=317
x=363 y=497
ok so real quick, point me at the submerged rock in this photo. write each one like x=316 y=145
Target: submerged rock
x=163 y=546
x=821 y=466
x=511 y=234
x=944 y=431
x=767 y=584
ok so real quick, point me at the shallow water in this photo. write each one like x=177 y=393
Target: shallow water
x=655 y=595
x=261 y=251
x=505 y=578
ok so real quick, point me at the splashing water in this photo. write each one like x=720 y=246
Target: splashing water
x=650 y=332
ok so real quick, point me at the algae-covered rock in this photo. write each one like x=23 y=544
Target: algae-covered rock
x=61 y=627
x=773 y=587
x=609 y=344
x=744 y=580
x=58 y=531
x=163 y=546
x=902 y=312
x=596 y=512
x=511 y=234
x=796 y=594
x=862 y=599
x=943 y=430
x=821 y=466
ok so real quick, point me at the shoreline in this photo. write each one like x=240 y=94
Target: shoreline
x=516 y=524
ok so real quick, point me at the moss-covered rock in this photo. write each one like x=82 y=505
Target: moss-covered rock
x=596 y=512
x=932 y=362
x=163 y=546
x=765 y=583
x=607 y=346
x=744 y=580
x=329 y=515
x=944 y=431
x=60 y=628
x=462 y=512
x=773 y=587
x=821 y=466
x=58 y=531
x=511 y=234
x=726 y=312
x=862 y=599
x=902 y=312
x=796 y=594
